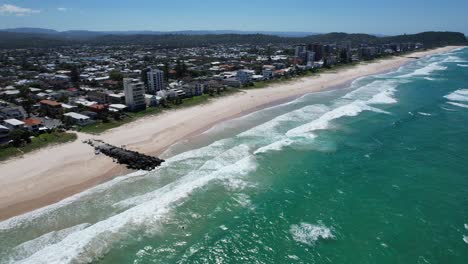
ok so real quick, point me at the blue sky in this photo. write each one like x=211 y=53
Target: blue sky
x=363 y=16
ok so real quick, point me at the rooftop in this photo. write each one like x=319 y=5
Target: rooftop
x=76 y=116
x=50 y=103
x=32 y=122
x=14 y=122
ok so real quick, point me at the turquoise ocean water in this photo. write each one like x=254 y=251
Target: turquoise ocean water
x=376 y=172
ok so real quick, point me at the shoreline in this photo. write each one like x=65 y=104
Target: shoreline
x=49 y=175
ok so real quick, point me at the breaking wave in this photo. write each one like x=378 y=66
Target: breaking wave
x=458 y=104
x=352 y=109
x=459 y=95
x=427 y=70
x=94 y=241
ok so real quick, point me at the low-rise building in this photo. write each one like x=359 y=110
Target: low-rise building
x=101 y=97
x=117 y=107
x=268 y=74
x=98 y=108
x=16 y=112
x=13 y=124
x=33 y=124
x=244 y=76
x=78 y=119
x=51 y=108
x=233 y=82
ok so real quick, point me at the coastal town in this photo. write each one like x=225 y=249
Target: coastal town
x=91 y=89
x=233 y=132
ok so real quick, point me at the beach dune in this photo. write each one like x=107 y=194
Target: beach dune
x=49 y=175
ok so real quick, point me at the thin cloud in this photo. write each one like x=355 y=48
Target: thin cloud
x=63 y=9
x=7 y=9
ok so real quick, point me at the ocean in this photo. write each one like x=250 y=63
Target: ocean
x=375 y=172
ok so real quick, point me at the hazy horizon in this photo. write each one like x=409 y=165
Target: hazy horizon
x=393 y=18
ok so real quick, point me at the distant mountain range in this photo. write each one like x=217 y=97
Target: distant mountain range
x=45 y=38
x=83 y=34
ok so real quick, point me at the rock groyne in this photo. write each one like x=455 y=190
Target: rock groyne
x=132 y=159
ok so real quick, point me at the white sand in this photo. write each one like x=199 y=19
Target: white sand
x=50 y=175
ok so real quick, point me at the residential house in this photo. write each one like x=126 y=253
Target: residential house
x=33 y=124
x=16 y=112
x=13 y=124
x=78 y=119
x=51 y=108
x=99 y=96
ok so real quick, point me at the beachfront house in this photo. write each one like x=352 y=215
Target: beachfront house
x=33 y=124
x=13 y=124
x=78 y=119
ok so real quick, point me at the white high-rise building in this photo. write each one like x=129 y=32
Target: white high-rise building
x=310 y=58
x=134 y=91
x=155 y=80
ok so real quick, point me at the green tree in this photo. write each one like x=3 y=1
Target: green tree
x=268 y=53
x=116 y=76
x=75 y=75
x=20 y=137
x=166 y=71
x=178 y=69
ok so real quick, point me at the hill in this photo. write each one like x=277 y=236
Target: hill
x=30 y=37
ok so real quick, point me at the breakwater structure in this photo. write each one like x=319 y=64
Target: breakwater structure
x=132 y=159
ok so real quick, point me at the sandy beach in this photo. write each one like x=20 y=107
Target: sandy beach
x=52 y=174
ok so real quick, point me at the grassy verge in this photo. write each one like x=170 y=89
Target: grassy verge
x=38 y=142
x=100 y=127
x=282 y=80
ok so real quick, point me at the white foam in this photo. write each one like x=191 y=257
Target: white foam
x=33 y=215
x=459 y=95
x=308 y=234
x=459 y=49
x=424 y=114
x=275 y=146
x=465 y=238
x=454 y=59
x=352 y=109
x=211 y=168
x=368 y=91
x=243 y=200
x=384 y=97
x=462 y=65
x=293 y=257
x=90 y=243
x=448 y=109
x=427 y=70
x=268 y=129
x=28 y=248
x=458 y=104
